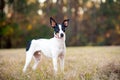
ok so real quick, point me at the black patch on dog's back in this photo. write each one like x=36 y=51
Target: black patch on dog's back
x=28 y=45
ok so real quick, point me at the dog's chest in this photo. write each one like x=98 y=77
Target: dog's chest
x=60 y=47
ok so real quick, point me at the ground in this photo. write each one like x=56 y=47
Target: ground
x=81 y=63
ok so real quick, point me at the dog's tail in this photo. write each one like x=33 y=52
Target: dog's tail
x=28 y=45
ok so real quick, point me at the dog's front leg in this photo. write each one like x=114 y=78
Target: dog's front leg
x=62 y=63
x=55 y=64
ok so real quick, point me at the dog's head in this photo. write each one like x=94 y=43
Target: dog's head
x=59 y=29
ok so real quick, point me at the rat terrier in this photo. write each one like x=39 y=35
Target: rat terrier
x=54 y=47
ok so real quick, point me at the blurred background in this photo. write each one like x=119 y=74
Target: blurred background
x=92 y=22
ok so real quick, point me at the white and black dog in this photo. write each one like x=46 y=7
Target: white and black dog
x=54 y=47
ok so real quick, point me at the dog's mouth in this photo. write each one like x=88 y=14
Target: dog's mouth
x=59 y=36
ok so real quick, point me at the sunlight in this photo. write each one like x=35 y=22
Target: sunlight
x=64 y=9
x=115 y=0
x=40 y=12
x=72 y=10
x=103 y=1
x=80 y=11
x=41 y=1
x=54 y=1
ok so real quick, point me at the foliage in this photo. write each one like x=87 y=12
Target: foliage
x=91 y=22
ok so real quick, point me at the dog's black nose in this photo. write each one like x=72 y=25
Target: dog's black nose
x=61 y=34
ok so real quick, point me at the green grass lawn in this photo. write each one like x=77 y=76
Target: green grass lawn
x=81 y=63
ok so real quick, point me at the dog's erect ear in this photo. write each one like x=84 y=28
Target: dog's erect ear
x=52 y=22
x=65 y=22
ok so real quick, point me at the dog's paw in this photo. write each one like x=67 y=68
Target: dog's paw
x=24 y=70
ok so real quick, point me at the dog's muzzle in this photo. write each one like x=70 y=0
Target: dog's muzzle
x=61 y=35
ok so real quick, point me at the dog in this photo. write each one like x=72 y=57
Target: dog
x=54 y=48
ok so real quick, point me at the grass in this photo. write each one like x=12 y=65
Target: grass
x=81 y=63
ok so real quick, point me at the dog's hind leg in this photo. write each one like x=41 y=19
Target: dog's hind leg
x=37 y=57
x=28 y=60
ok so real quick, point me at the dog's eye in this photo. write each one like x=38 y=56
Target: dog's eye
x=63 y=28
x=56 y=29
